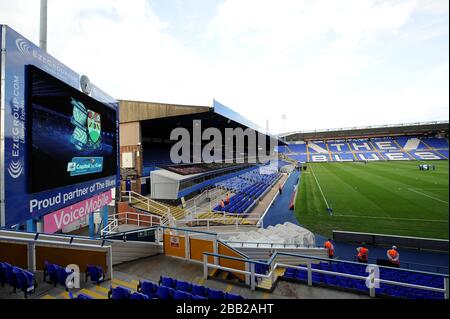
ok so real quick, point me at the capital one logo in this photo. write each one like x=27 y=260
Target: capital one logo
x=73 y=278
x=15 y=168
x=23 y=46
x=373 y=279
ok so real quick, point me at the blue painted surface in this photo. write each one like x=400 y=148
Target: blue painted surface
x=31 y=225
x=105 y=216
x=279 y=212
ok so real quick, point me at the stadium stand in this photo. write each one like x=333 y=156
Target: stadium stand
x=371 y=149
x=154 y=157
x=248 y=188
x=386 y=290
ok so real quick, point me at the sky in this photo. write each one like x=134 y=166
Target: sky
x=322 y=63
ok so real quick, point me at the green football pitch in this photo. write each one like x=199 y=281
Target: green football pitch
x=393 y=198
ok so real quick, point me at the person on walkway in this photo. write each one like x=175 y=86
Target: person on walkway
x=280 y=188
x=363 y=253
x=330 y=248
x=227 y=199
x=393 y=257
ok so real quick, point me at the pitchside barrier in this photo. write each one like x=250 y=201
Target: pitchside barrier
x=390 y=240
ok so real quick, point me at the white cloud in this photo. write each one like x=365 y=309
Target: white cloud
x=308 y=59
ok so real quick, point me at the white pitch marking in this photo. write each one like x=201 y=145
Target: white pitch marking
x=320 y=188
x=394 y=218
x=432 y=197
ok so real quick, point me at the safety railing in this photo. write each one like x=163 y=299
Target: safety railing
x=237 y=223
x=253 y=278
x=130 y=234
x=130 y=218
x=110 y=228
x=420 y=267
x=68 y=239
x=150 y=206
x=267 y=244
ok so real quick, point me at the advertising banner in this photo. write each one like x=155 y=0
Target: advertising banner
x=59 y=134
x=72 y=214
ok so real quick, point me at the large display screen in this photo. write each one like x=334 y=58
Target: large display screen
x=73 y=137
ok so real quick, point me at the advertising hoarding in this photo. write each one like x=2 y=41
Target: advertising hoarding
x=30 y=191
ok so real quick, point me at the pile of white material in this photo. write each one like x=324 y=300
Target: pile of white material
x=287 y=233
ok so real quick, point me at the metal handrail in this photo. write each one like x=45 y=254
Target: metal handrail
x=276 y=254
x=408 y=263
x=271 y=244
x=37 y=234
x=29 y=240
x=164 y=227
x=165 y=211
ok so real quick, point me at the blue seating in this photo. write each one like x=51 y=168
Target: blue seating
x=196 y=297
x=215 y=294
x=199 y=290
x=4 y=273
x=10 y=276
x=147 y=288
x=180 y=290
x=398 y=275
x=167 y=281
x=183 y=286
x=62 y=275
x=163 y=292
x=52 y=271
x=80 y=296
x=95 y=273
x=138 y=296
x=232 y=296
x=24 y=281
x=181 y=295
x=119 y=293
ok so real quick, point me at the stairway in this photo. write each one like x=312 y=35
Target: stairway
x=224 y=275
x=267 y=284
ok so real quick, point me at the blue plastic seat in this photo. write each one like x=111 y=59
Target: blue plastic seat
x=167 y=281
x=163 y=292
x=148 y=288
x=11 y=276
x=119 y=293
x=215 y=294
x=25 y=281
x=80 y=296
x=138 y=296
x=183 y=286
x=181 y=295
x=233 y=296
x=95 y=273
x=198 y=290
x=4 y=273
x=62 y=275
x=196 y=297
x=51 y=270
